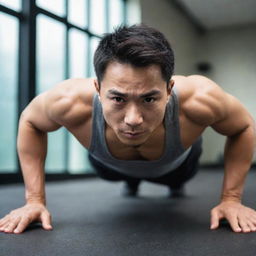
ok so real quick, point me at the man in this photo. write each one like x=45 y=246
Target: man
x=139 y=122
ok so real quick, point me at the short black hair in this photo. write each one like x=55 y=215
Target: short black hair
x=138 y=45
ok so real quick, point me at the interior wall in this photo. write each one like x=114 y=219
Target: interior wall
x=232 y=55
x=182 y=35
x=184 y=39
x=230 y=51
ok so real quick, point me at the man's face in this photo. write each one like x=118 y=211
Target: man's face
x=133 y=101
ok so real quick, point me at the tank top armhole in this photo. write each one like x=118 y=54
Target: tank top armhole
x=92 y=144
x=176 y=116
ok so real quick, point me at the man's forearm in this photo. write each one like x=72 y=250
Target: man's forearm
x=32 y=147
x=238 y=158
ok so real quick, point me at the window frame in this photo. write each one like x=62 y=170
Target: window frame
x=26 y=82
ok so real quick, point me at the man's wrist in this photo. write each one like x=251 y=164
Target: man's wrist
x=35 y=199
x=233 y=198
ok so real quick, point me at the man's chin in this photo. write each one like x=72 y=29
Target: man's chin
x=133 y=142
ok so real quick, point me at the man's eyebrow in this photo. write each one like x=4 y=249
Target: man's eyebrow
x=117 y=93
x=148 y=94
x=151 y=93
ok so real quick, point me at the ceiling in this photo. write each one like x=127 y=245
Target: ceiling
x=212 y=14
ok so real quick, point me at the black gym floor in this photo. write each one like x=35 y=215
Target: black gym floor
x=91 y=218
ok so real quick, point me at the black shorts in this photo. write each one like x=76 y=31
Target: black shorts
x=174 y=178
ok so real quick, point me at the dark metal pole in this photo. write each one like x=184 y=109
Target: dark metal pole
x=27 y=55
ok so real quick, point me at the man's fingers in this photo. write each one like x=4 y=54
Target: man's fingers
x=214 y=219
x=3 y=227
x=252 y=217
x=244 y=225
x=251 y=225
x=3 y=220
x=11 y=225
x=233 y=221
x=3 y=224
x=253 y=220
x=46 y=220
x=24 y=222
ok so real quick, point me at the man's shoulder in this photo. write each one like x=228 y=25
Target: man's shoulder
x=201 y=99
x=82 y=88
x=71 y=100
x=189 y=87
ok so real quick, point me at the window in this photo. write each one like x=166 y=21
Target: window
x=8 y=91
x=78 y=13
x=57 y=6
x=93 y=45
x=78 y=56
x=78 y=53
x=65 y=34
x=98 y=23
x=50 y=62
x=116 y=13
x=13 y=4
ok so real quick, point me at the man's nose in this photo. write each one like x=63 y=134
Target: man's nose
x=133 y=117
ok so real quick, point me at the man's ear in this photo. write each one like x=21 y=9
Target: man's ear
x=169 y=88
x=97 y=86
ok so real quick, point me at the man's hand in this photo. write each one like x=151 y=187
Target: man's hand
x=240 y=217
x=18 y=220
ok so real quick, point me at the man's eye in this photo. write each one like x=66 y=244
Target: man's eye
x=118 y=99
x=149 y=100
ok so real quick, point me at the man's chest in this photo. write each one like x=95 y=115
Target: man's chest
x=152 y=150
x=189 y=131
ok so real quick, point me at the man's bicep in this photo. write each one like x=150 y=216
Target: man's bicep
x=38 y=115
x=236 y=117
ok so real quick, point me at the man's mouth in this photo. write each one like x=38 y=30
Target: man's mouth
x=132 y=134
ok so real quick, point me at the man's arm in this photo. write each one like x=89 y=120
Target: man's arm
x=226 y=115
x=239 y=149
x=239 y=127
x=35 y=121
x=32 y=147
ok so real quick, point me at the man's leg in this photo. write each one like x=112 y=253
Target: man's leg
x=131 y=184
x=176 y=179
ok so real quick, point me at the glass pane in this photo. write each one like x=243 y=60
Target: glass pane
x=12 y=4
x=94 y=43
x=78 y=53
x=78 y=12
x=97 y=16
x=78 y=157
x=133 y=12
x=8 y=91
x=50 y=71
x=56 y=6
x=116 y=15
x=78 y=162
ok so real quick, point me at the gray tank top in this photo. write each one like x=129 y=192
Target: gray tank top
x=174 y=153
